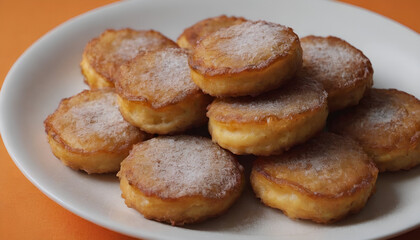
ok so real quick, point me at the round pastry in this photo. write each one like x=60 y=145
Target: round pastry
x=157 y=95
x=246 y=59
x=322 y=180
x=87 y=132
x=270 y=123
x=104 y=55
x=342 y=69
x=189 y=38
x=180 y=179
x=387 y=125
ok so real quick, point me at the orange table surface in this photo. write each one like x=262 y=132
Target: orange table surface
x=25 y=212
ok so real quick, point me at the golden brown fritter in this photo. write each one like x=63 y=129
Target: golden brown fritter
x=87 y=132
x=180 y=179
x=322 y=180
x=344 y=71
x=104 y=55
x=270 y=123
x=387 y=125
x=157 y=95
x=246 y=59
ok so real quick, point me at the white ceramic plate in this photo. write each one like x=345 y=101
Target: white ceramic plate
x=49 y=71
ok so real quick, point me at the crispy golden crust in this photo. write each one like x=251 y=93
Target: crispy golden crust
x=322 y=180
x=180 y=179
x=345 y=72
x=189 y=38
x=246 y=59
x=104 y=55
x=92 y=77
x=185 y=210
x=88 y=133
x=272 y=123
x=90 y=162
x=175 y=118
x=387 y=125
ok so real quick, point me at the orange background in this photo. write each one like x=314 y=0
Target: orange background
x=25 y=213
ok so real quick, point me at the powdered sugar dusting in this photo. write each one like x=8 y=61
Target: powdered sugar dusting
x=327 y=163
x=95 y=118
x=115 y=47
x=384 y=119
x=170 y=70
x=180 y=166
x=128 y=48
x=161 y=77
x=249 y=43
x=100 y=116
x=333 y=64
x=381 y=109
x=207 y=26
x=383 y=114
x=297 y=97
